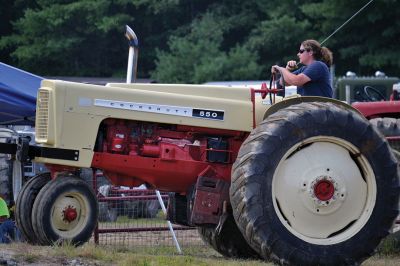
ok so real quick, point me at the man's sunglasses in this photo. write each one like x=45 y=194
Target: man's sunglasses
x=303 y=50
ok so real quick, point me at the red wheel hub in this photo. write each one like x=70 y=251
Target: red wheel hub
x=70 y=214
x=324 y=190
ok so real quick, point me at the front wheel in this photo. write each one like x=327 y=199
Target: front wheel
x=24 y=204
x=65 y=210
x=315 y=184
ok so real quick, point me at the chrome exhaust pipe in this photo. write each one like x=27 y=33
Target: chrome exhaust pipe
x=133 y=43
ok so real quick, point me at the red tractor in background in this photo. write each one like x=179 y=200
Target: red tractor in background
x=384 y=113
x=377 y=98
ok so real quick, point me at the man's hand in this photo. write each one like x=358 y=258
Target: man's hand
x=275 y=69
x=291 y=65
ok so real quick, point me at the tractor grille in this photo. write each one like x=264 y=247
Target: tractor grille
x=42 y=115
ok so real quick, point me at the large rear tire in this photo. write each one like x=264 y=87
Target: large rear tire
x=315 y=184
x=65 y=210
x=24 y=205
x=388 y=126
x=229 y=242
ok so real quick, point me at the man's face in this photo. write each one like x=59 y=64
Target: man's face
x=304 y=55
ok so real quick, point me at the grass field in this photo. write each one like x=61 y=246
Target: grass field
x=90 y=254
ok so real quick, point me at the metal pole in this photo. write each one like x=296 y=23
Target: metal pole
x=347 y=90
x=169 y=223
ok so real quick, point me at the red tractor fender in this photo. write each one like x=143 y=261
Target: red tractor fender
x=378 y=109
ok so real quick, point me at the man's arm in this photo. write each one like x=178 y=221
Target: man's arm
x=292 y=79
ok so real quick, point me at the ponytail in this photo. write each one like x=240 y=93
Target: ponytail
x=320 y=53
x=326 y=56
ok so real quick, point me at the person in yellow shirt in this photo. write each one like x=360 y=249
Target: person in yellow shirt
x=7 y=226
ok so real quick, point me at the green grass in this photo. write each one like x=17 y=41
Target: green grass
x=390 y=245
x=30 y=257
x=156 y=220
x=159 y=220
x=108 y=255
x=389 y=254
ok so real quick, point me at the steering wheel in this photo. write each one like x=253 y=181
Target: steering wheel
x=278 y=85
x=373 y=94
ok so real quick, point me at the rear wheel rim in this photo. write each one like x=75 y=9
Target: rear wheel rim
x=324 y=190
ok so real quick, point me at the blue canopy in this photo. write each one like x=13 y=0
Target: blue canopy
x=18 y=91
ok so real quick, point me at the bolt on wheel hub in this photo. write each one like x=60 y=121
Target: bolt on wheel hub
x=324 y=190
x=70 y=214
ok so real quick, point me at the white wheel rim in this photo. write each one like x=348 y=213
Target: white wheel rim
x=66 y=228
x=296 y=203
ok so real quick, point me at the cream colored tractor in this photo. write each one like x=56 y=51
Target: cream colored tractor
x=303 y=180
x=306 y=180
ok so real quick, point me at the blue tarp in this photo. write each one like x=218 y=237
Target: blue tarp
x=18 y=91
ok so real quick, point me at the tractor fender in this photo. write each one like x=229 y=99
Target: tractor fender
x=301 y=99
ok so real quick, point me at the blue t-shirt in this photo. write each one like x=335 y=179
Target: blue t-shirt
x=320 y=84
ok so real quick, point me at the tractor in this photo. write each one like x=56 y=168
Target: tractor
x=385 y=115
x=377 y=98
x=296 y=180
x=299 y=180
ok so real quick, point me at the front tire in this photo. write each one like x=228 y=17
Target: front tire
x=311 y=183
x=65 y=210
x=24 y=205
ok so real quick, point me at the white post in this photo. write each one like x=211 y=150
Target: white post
x=348 y=94
x=133 y=45
x=169 y=223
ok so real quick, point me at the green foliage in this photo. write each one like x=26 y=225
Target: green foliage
x=367 y=42
x=194 y=41
x=199 y=55
x=157 y=6
x=195 y=57
x=68 y=38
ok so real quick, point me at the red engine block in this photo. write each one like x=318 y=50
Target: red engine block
x=169 y=157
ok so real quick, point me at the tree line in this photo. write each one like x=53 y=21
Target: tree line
x=195 y=41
